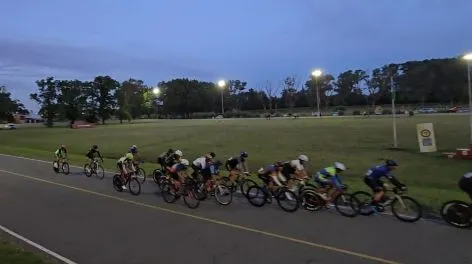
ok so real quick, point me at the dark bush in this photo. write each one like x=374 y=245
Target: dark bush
x=356 y=112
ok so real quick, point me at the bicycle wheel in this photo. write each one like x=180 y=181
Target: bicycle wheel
x=169 y=192
x=87 y=170
x=134 y=185
x=347 y=205
x=287 y=200
x=117 y=183
x=311 y=201
x=190 y=198
x=256 y=196
x=201 y=193
x=141 y=175
x=365 y=202
x=406 y=203
x=158 y=177
x=223 y=195
x=100 y=172
x=457 y=213
x=65 y=167
x=245 y=185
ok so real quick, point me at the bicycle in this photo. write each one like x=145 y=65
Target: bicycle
x=134 y=185
x=241 y=182
x=94 y=168
x=396 y=198
x=346 y=204
x=61 y=166
x=222 y=193
x=172 y=191
x=259 y=196
x=140 y=173
x=457 y=213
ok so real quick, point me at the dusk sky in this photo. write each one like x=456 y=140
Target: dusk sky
x=255 y=40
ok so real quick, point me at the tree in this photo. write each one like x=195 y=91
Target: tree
x=71 y=99
x=8 y=106
x=235 y=88
x=105 y=88
x=46 y=97
x=290 y=91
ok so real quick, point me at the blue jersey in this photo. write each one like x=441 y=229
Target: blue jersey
x=378 y=172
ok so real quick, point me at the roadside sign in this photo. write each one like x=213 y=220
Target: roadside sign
x=426 y=137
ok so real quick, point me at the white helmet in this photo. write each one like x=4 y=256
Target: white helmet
x=178 y=152
x=303 y=158
x=339 y=166
x=185 y=162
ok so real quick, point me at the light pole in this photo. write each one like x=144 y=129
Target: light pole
x=317 y=74
x=468 y=58
x=221 y=85
x=156 y=91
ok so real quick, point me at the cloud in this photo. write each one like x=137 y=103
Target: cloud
x=33 y=59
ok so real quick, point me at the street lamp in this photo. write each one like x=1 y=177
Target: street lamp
x=468 y=57
x=221 y=85
x=317 y=74
x=156 y=91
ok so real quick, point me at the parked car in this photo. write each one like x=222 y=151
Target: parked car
x=9 y=126
x=427 y=110
x=453 y=109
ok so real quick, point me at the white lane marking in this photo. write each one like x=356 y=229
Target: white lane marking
x=36 y=245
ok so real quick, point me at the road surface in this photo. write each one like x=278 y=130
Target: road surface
x=87 y=221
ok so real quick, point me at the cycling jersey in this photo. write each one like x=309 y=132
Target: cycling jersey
x=92 y=153
x=291 y=167
x=60 y=152
x=235 y=163
x=201 y=163
x=377 y=172
x=326 y=176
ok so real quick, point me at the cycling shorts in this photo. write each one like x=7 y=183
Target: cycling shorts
x=375 y=186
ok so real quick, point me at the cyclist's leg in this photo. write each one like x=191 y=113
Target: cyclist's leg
x=466 y=186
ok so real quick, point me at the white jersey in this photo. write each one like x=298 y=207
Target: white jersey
x=200 y=163
x=296 y=165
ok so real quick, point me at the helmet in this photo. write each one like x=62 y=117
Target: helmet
x=62 y=146
x=243 y=154
x=134 y=147
x=129 y=156
x=184 y=162
x=178 y=152
x=95 y=147
x=391 y=163
x=212 y=154
x=303 y=158
x=339 y=166
x=279 y=164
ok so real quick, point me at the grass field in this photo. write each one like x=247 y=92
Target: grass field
x=359 y=143
x=10 y=254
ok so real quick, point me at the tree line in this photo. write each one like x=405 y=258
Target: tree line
x=414 y=82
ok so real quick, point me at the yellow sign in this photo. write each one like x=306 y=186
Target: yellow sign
x=426 y=138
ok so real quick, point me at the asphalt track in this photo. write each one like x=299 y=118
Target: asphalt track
x=87 y=221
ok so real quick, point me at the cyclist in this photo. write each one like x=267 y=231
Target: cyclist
x=162 y=159
x=60 y=153
x=295 y=169
x=204 y=166
x=92 y=153
x=235 y=164
x=465 y=184
x=271 y=176
x=373 y=179
x=125 y=163
x=328 y=178
x=177 y=170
